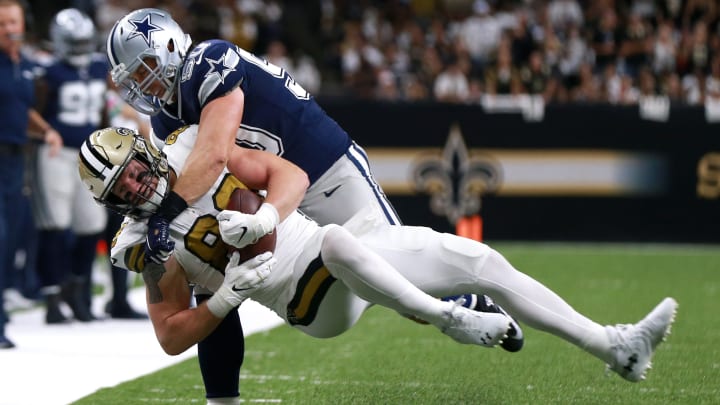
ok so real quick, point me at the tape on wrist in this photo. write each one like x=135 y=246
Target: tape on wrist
x=172 y=206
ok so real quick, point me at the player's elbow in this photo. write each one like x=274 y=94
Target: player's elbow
x=173 y=341
x=217 y=162
x=173 y=346
x=303 y=180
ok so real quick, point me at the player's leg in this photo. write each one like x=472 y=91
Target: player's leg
x=446 y=264
x=220 y=356
x=118 y=306
x=348 y=188
x=345 y=189
x=89 y=220
x=52 y=211
x=11 y=176
x=370 y=277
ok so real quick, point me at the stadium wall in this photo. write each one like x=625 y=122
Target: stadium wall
x=533 y=172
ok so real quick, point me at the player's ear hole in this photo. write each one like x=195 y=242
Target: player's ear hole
x=171 y=45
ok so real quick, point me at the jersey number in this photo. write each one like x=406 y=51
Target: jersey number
x=203 y=239
x=276 y=71
x=81 y=103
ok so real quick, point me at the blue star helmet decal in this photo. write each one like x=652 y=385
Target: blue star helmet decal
x=143 y=28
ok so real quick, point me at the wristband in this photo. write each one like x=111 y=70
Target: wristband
x=171 y=206
x=219 y=305
x=269 y=212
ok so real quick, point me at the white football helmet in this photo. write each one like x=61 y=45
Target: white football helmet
x=73 y=36
x=147 y=34
x=104 y=156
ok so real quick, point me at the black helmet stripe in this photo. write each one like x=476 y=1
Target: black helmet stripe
x=93 y=160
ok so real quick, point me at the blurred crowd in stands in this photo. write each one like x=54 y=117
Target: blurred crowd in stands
x=581 y=51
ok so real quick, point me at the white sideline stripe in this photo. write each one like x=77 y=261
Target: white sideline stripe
x=59 y=364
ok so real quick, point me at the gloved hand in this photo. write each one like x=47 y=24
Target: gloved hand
x=158 y=246
x=240 y=281
x=239 y=230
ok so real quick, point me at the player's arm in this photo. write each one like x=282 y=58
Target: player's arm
x=177 y=326
x=41 y=130
x=285 y=182
x=219 y=122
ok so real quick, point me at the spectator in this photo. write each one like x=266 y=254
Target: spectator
x=671 y=86
x=537 y=78
x=605 y=40
x=564 y=13
x=451 y=85
x=635 y=45
x=575 y=54
x=589 y=88
x=481 y=33
x=664 y=49
x=693 y=86
x=502 y=77
x=695 y=52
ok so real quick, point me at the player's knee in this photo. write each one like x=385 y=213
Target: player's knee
x=340 y=246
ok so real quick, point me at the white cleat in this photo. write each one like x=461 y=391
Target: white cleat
x=634 y=345
x=472 y=327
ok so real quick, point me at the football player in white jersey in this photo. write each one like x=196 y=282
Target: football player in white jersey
x=237 y=98
x=359 y=264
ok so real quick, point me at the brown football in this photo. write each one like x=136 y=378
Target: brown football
x=248 y=202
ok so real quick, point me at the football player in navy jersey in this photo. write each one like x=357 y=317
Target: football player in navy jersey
x=239 y=99
x=71 y=94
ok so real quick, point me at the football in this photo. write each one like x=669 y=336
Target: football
x=248 y=202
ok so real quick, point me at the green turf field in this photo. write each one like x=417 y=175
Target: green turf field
x=386 y=359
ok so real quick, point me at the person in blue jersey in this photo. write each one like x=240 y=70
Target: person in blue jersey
x=19 y=119
x=238 y=99
x=71 y=97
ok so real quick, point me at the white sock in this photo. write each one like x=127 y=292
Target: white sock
x=534 y=304
x=224 y=401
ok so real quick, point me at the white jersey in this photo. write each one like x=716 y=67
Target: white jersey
x=302 y=287
x=298 y=239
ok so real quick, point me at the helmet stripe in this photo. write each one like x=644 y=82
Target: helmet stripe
x=93 y=160
x=112 y=57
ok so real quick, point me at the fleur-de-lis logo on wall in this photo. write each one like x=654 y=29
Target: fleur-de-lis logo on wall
x=455 y=180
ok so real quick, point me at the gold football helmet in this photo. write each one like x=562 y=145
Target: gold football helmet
x=102 y=160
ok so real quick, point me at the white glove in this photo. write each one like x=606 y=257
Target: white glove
x=240 y=281
x=239 y=230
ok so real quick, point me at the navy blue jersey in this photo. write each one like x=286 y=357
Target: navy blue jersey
x=279 y=115
x=17 y=94
x=75 y=99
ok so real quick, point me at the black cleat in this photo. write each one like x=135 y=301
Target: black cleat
x=5 y=343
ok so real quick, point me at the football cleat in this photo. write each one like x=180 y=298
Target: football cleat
x=482 y=303
x=466 y=326
x=633 y=345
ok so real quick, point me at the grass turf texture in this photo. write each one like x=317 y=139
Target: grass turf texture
x=387 y=359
